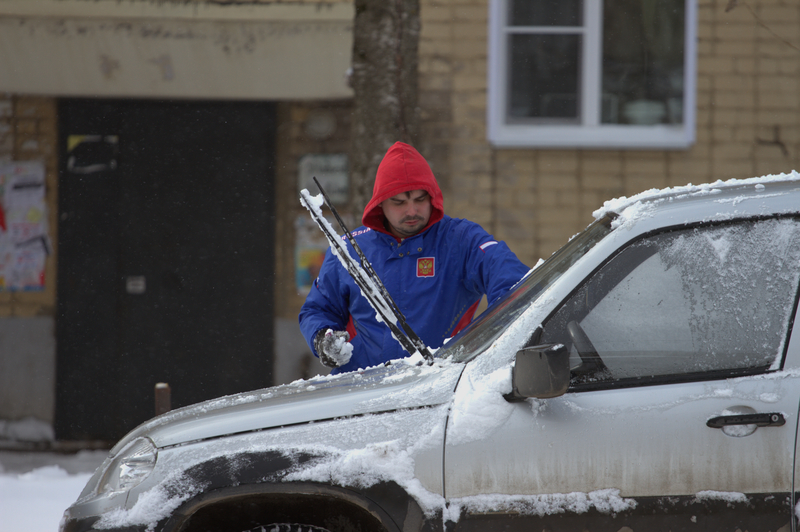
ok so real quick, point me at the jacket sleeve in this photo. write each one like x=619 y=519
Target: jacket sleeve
x=327 y=303
x=491 y=268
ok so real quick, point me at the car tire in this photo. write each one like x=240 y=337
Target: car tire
x=287 y=527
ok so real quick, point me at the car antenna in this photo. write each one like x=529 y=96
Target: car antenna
x=366 y=278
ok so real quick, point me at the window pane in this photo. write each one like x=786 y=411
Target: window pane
x=545 y=12
x=693 y=301
x=643 y=54
x=544 y=76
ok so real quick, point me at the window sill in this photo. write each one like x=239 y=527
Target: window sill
x=662 y=136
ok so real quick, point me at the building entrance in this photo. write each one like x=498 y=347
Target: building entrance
x=165 y=261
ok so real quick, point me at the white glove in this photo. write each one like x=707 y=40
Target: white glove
x=333 y=347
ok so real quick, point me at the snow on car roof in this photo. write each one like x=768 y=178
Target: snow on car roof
x=644 y=203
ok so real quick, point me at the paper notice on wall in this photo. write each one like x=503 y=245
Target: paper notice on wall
x=24 y=242
x=309 y=250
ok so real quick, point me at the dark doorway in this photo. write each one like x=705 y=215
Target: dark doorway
x=165 y=257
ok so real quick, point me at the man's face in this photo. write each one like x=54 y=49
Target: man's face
x=407 y=213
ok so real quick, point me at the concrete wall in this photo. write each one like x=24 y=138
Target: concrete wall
x=28 y=131
x=27 y=368
x=175 y=49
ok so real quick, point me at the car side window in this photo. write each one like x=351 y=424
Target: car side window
x=691 y=303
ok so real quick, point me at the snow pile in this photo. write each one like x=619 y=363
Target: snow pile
x=35 y=501
x=29 y=429
x=605 y=501
x=387 y=461
x=632 y=213
x=729 y=496
x=377 y=462
x=480 y=409
x=153 y=505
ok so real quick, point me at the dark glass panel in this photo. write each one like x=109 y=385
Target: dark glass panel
x=643 y=55
x=545 y=12
x=544 y=76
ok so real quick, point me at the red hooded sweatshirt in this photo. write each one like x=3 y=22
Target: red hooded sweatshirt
x=402 y=169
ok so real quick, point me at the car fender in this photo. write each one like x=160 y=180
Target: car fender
x=251 y=486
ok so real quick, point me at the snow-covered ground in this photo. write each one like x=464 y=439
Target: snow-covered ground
x=36 y=487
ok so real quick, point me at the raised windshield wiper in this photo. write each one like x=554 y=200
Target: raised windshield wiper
x=364 y=275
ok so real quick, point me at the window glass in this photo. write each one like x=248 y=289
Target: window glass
x=544 y=59
x=544 y=76
x=545 y=12
x=686 y=302
x=643 y=55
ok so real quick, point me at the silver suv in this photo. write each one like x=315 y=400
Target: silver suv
x=644 y=377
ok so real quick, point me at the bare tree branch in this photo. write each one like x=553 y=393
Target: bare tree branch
x=735 y=3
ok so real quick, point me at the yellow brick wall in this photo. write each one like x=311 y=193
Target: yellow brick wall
x=748 y=124
x=28 y=131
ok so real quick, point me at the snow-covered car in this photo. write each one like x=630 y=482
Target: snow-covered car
x=645 y=377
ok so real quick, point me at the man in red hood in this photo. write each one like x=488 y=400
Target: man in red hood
x=436 y=269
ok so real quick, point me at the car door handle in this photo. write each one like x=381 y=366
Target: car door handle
x=761 y=420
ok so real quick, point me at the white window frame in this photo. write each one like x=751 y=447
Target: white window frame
x=590 y=133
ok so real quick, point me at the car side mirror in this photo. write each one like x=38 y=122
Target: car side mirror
x=540 y=371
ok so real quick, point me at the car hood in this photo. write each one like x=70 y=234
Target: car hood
x=374 y=390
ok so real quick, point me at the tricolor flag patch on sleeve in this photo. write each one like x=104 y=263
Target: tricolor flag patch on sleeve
x=488 y=244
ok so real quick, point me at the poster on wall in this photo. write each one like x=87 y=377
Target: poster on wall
x=24 y=242
x=310 y=248
x=331 y=171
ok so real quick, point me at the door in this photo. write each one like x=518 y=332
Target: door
x=165 y=257
x=679 y=416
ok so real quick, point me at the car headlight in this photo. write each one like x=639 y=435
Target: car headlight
x=130 y=467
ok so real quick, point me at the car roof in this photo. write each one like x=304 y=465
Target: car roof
x=759 y=196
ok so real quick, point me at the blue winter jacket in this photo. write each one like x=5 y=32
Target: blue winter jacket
x=436 y=277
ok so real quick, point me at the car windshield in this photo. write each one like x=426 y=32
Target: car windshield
x=475 y=338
